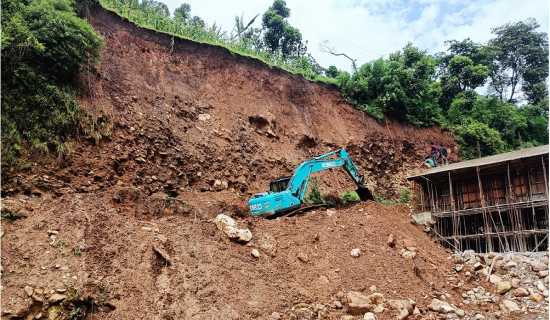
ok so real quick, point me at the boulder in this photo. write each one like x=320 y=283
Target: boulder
x=358 y=303
x=229 y=227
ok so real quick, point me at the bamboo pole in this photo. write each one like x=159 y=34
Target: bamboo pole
x=489 y=245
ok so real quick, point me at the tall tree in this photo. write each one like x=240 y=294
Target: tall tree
x=183 y=12
x=519 y=56
x=280 y=37
x=156 y=7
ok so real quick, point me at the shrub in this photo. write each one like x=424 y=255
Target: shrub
x=314 y=196
x=405 y=195
x=349 y=196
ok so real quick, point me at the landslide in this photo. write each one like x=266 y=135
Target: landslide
x=173 y=136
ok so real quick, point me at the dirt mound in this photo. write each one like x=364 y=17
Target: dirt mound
x=167 y=262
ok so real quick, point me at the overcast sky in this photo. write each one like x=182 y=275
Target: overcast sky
x=370 y=29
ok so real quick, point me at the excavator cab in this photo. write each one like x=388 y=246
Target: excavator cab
x=279 y=185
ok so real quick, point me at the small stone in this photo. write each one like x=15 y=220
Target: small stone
x=379 y=308
x=38 y=316
x=538 y=266
x=543 y=273
x=509 y=306
x=275 y=316
x=372 y=288
x=369 y=316
x=459 y=267
x=461 y=313
x=403 y=314
x=479 y=316
x=355 y=252
x=303 y=257
x=255 y=253
x=358 y=303
x=537 y=297
x=29 y=290
x=409 y=255
x=494 y=279
x=477 y=265
x=57 y=297
x=146 y=228
x=503 y=287
x=377 y=298
x=515 y=283
x=337 y=305
x=60 y=290
x=391 y=241
x=521 y=292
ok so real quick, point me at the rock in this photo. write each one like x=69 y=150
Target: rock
x=479 y=316
x=358 y=303
x=337 y=305
x=147 y=228
x=347 y=317
x=503 y=287
x=204 y=116
x=537 y=297
x=38 y=316
x=330 y=212
x=391 y=241
x=255 y=253
x=515 y=283
x=477 y=265
x=57 y=297
x=379 y=308
x=543 y=273
x=377 y=298
x=355 y=252
x=461 y=313
x=459 y=267
x=538 y=266
x=229 y=227
x=29 y=290
x=303 y=257
x=540 y=286
x=446 y=308
x=521 y=292
x=369 y=316
x=268 y=244
x=409 y=255
x=511 y=264
x=372 y=288
x=403 y=314
x=509 y=306
x=491 y=255
x=441 y=306
x=494 y=279
x=275 y=316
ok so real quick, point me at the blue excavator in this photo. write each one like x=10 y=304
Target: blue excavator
x=287 y=194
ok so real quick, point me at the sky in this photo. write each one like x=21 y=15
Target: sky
x=367 y=30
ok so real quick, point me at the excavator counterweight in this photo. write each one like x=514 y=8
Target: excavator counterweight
x=288 y=193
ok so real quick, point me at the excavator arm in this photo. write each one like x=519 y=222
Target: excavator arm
x=291 y=198
x=300 y=179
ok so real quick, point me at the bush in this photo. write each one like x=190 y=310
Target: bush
x=314 y=196
x=349 y=196
x=405 y=195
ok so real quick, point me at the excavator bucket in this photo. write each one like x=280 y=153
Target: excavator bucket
x=364 y=194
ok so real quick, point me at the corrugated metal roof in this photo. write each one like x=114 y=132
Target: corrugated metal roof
x=503 y=157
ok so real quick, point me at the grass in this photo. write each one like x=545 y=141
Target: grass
x=39 y=225
x=9 y=214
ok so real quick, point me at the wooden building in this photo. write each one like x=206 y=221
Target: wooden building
x=492 y=204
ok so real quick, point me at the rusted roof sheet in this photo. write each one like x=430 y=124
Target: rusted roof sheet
x=486 y=161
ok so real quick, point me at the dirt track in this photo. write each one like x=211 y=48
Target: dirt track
x=179 y=137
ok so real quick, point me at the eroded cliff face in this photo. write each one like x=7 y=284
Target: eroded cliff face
x=197 y=118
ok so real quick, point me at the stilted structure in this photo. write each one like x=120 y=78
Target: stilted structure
x=492 y=204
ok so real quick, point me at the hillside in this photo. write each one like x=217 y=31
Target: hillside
x=122 y=229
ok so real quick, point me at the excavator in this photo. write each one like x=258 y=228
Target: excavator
x=286 y=195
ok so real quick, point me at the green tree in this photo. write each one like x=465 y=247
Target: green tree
x=280 y=37
x=157 y=7
x=519 y=57
x=472 y=135
x=332 y=72
x=183 y=12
